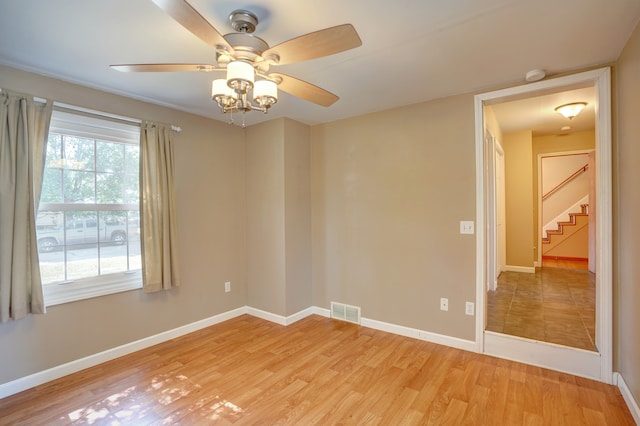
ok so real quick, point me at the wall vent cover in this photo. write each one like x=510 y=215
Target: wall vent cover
x=345 y=312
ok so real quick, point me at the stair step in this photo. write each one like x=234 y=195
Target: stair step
x=572 y=222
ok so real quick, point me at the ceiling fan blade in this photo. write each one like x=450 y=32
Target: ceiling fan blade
x=189 y=18
x=164 y=67
x=316 y=44
x=304 y=90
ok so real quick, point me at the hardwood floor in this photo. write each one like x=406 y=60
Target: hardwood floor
x=316 y=371
x=553 y=305
x=581 y=265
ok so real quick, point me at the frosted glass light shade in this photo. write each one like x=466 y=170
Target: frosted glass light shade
x=240 y=76
x=265 y=92
x=571 y=110
x=222 y=93
x=219 y=88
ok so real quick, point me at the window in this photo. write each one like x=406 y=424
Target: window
x=88 y=220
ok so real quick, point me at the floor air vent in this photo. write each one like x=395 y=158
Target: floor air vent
x=345 y=312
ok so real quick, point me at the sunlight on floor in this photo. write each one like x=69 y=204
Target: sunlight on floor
x=89 y=415
x=171 y=388
x=205 y=412
x=135 y=405
x=101 y=409
x=223 y=407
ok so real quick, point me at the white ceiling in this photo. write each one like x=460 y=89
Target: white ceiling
x=413 y=50
x=538 y=113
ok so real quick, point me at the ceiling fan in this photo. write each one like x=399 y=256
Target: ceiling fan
x=247 y=59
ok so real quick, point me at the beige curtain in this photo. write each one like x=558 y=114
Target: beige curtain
x=158 y=209
x=24 y=127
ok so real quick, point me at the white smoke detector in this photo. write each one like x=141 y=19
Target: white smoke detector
x=534 y=75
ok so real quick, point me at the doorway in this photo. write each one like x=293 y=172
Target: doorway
x=553 y=301
x=593 y=364
x=566 y=200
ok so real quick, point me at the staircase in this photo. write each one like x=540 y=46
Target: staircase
x=570 y=239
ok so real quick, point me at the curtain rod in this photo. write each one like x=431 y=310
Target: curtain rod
x=104 y=116
x=96 y=114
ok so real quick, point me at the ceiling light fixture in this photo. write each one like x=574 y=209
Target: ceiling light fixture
x=246 y=59
x=571 y=110
x=231 y=93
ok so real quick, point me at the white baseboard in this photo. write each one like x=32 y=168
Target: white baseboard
x=41 y=377
x=322 y=311
x=401 y=330
x=414 y=333
x=279 y=319
x=628 y=397
x=299 y=315
x=427 y=336
x=259 y=313
x=526 y=269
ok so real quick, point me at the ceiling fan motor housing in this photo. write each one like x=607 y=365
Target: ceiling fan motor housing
x=246 y=46
x=243 y=21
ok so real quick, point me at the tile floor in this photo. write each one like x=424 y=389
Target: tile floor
x=553 y=305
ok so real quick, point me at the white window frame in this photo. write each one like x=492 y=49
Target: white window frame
x=92 y=124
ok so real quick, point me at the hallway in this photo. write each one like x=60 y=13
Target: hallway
x=553 y=305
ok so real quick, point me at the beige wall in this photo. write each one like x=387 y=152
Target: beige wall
x=211 y=208
x=265 y=216
x=491 y=124
x=518 y=173
x=626 y=217
x=388 y=192
x=278 y=217
x=297 y=183
x=578 y=141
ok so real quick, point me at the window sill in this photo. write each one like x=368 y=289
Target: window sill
x=72 y=291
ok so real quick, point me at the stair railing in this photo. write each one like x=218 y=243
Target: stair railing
x=574 y=175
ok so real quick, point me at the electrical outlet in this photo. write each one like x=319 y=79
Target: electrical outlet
x=444 y=304
x=469 y=308
x=227 y=287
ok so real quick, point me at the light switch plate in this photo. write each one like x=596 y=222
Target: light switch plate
x=469 y=308
x=466 y=227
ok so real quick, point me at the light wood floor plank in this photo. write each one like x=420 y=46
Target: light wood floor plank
x=248 y=371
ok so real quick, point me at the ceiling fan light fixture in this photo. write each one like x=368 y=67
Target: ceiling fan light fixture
x=246 y=57
x=231 y=93
x=240 y=76
x=222 y=94
x=265 y=93
x=571 y=110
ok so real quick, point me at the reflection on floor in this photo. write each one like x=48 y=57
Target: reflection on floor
x=553 y=305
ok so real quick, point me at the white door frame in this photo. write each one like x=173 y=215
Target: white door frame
x=495 y=210
x=596 y=365
x=492 y=211
x=501 y=232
